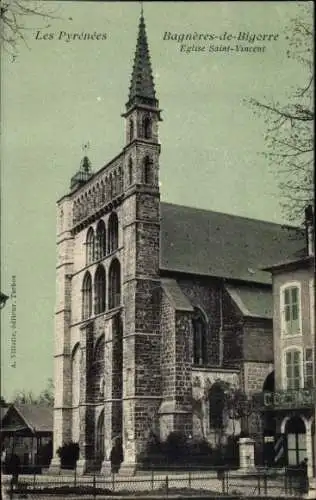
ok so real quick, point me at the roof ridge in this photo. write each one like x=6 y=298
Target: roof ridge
x=230 y=215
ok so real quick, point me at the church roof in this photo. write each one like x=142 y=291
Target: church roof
x=252 y=301
x=208 y=243
x=142 y=82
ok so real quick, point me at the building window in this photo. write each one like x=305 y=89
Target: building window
x=86 y=296
x=97 y=371
x=99 y=290
x=130 y=171
x=131 y=130
x=296 y=440
x=199 y=338
x=113 y=233
x=147 y=127
x=100 y=241
x=90 y=246
x=293 y=369
x=308 y=368
x=114 y=284
x=291 y=310
x=147 y=170
x=110 y=187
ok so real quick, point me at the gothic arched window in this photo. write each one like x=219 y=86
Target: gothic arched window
x=114 y=284
x=86 y=296
x=199 y=338
x=147 y=170
x=99 y=452
x=113 y=233
x=90 y=246
x=99 y=290
x=100 y=241
x=147 y=127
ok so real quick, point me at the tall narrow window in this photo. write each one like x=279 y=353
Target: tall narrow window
x=113 y=233
x=114 y=284
x=110 y=187
x=99 y=290
x=147 y=127
x=100 y=241
x=130 y=171
x=147 y=170
x=291 y=310
x=90 y=246
x=199 y=338
x=293 y=367
x=97 y=371
x=86 y=296
x=131 y=130
x=308 y=368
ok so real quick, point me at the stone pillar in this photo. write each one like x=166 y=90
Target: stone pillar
x=246 y=453
x=62 y=359
x=86 y=412
x=309 y=447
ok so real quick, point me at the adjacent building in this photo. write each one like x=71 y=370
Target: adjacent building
x=290 y=391
x=155 y=302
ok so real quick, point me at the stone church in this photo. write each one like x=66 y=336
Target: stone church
x=156 y=302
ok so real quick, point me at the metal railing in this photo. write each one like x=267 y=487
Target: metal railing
x=214 y=482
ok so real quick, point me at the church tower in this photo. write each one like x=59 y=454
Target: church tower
x=141 y=285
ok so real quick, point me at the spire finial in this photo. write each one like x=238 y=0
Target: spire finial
x=141 y=9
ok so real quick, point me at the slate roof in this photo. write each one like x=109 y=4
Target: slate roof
x=252 y=301
x=38 y=418
x=179 y=301
x=220 y=245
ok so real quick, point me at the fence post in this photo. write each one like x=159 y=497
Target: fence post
x=113 y=482
x=94 y=486
x=75 y=476
x=265 y=484
x=189 y=479
x=152 y=479
x=167 y=485
x=223 y=481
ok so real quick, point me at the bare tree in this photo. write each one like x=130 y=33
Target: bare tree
x=13 y=18
x=45 y=398
x=290 y=133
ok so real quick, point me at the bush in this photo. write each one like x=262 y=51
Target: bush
x=176 y=447
x=45 y=454
x=69 y=454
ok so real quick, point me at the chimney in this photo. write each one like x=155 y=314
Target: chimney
x=309 y=226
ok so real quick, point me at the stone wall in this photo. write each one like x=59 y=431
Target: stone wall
x=205 y=294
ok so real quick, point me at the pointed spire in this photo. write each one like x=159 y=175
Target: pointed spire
x=142 y=88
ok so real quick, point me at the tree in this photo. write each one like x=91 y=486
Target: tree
x=289 y=136
x=13 y=15
x=45 y=398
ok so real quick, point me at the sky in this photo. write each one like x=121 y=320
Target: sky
x=57 y=95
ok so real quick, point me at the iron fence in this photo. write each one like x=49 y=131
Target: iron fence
x=213 y=483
